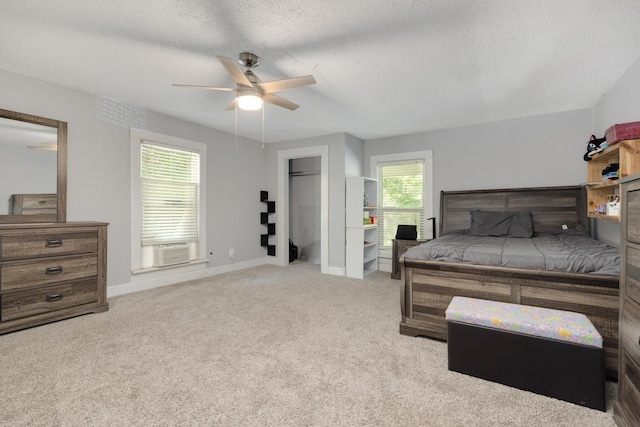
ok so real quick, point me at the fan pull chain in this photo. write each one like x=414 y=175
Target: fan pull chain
x=236 y=124
x=262 y=126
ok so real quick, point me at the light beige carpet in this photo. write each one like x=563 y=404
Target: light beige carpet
x=267 y=346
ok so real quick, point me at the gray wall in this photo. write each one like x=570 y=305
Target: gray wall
x=621 y=104
x=98 y=170
x=535 y=151
x=354 y=156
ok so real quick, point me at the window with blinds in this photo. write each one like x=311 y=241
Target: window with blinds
x=400 y=198
x=170 y=181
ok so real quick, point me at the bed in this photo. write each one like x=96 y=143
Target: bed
x=429 y=285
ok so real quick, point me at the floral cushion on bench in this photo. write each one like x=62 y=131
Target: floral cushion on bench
x=536 y=321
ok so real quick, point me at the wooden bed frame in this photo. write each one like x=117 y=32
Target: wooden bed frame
x=428 y=286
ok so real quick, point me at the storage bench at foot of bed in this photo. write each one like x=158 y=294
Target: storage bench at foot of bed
x=427 y=288
x=566 y=370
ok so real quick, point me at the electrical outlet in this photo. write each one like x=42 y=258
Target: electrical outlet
x=232 y=253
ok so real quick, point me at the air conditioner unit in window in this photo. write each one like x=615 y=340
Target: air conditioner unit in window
x=176 y=253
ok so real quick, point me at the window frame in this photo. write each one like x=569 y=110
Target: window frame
x=161 y=202
x=427 y=187
x=140 y=255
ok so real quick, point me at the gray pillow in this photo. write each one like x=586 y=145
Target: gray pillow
x=521 y=225
x=490 y=223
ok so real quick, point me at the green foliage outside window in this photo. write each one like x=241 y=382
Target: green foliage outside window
x=402 y=192
x=401 y=198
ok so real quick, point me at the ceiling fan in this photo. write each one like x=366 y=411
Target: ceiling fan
x=250 y=90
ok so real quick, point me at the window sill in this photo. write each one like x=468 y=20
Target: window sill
x=169 y=267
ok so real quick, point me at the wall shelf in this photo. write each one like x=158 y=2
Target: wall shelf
x=627 y=154
x=264 y=220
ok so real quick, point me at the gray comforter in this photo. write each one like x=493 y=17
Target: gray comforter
x=574 y=252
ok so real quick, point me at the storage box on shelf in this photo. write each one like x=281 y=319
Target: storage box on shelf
x=622 y=131
x=627 y=154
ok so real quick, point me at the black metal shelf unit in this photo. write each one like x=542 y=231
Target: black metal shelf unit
x=271 y=226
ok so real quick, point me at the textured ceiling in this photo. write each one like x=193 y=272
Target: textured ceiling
x=382 y=67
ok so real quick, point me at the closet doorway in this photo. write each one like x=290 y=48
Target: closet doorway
x=304 y=207
x=283 y=221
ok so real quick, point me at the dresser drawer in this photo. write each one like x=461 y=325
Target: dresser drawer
x=27 y=274
x=629 y=385
x=25 y=303
x=630 y=331
x=24 y=246
x=632 y=276
x=633 y=216
x=45 y=204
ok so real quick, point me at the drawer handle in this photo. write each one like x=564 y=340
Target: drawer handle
x=54 y=297
x=53 y=270
x=54 y=243
x=42 y=202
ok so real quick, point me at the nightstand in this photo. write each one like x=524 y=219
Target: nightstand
x=399 y=247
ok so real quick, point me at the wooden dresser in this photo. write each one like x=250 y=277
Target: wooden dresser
x=50 y=272
x=627 y=409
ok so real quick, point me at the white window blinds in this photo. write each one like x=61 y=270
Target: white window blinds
x=400 y=198
x=170 y=180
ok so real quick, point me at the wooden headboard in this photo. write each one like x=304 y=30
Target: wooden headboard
x=551 y=207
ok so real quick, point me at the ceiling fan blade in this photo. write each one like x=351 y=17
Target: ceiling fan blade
x=205 y=87
x=236 y=74
x=280 y=102
x=232 y=105
x=278 y=85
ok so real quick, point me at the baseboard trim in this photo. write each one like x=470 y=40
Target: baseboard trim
x=153 y=280
x=156 y=281
x=238 y=266
x=336 y=271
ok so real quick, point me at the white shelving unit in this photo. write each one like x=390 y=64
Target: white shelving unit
x=362 y=239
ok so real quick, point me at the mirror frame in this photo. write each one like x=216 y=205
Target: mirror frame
x=61 y=209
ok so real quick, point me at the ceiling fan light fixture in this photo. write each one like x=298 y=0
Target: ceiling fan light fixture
x=249 y=100
x=251 y=92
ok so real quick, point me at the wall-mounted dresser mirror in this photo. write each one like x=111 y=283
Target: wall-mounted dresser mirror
x=33 y=169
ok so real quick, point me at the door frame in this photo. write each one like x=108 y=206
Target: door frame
x=322 y=151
